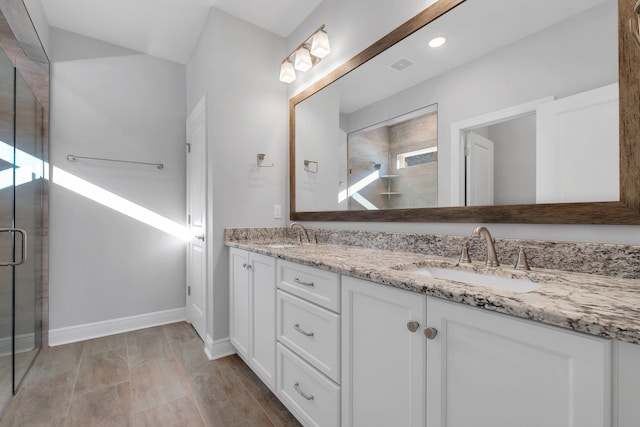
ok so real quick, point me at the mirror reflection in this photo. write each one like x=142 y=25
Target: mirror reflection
x=394 y=164
x=527 y=112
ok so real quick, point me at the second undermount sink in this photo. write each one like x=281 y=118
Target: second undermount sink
x=472 y=278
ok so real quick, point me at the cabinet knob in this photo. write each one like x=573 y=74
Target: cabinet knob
x=430 y=333
x=244 y=265
x=413 y=326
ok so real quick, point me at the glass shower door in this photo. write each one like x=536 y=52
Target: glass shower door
x=7 y=162
x=22 y=175
x=29 y=187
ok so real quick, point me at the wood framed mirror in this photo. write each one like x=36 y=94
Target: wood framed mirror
x=624 y=209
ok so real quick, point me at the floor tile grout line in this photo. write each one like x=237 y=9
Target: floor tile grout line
x=75 y=382
x=251 y=394
x=182 y=369
x=133 y=414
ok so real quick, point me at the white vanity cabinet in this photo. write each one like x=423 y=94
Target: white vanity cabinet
x=308 y=350
x=252 y=325
x=383 y=361
x=488 y=369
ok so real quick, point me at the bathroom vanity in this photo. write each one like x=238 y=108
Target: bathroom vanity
x=352 y=336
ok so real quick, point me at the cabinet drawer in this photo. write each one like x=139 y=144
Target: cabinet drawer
x=318 y=286
x=311 y=332
x=308 y=394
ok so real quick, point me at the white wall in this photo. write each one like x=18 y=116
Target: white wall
x=355 y=24
x=236 y=66
x=115 y=103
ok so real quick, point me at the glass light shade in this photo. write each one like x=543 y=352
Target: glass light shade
x=303 y=59
x=287 y=73
x=320 y=44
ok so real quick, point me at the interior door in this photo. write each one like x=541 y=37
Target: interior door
x=577 y=148
x=196 y=219
x=479 y=160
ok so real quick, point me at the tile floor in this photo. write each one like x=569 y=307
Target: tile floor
x=153 y=377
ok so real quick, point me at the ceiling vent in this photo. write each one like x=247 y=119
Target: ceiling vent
x=402 y=64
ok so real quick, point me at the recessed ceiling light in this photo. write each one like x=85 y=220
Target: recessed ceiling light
x=437 y=41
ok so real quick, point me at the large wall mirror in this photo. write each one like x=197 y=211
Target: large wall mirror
x=527 y=113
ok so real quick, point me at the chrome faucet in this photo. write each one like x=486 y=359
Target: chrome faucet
x=304 y=231
x=492 y=259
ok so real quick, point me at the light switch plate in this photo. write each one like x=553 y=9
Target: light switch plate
x=277 y=211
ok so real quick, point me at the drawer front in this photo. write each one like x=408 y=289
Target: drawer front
x=308 y=394
x=318 y=286
x=311 y=332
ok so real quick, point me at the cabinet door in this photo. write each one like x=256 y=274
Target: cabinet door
x=263 y=317
x=239 y=301
x=487 y=369
x=383 y=362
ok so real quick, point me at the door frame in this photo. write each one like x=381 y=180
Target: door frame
x=458 y=129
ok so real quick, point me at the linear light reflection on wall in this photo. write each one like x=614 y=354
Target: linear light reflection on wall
x=29 y=168
x=349 y=192
x=117 y=203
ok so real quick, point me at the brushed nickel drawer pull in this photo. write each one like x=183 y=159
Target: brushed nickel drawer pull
x=302 y=331
x=302 y=282
x=302 y=393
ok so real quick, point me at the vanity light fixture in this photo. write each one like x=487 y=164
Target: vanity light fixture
x=306 y=55
x=303 y=59
x=437 y=41
x=287 y=73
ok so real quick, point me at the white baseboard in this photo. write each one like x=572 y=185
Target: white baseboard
x=87 y=331
x=218 y=348
x=24 y=343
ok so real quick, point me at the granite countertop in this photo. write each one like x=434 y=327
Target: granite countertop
x=599 y=305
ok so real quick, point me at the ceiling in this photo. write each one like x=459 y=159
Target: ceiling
x=168 y=29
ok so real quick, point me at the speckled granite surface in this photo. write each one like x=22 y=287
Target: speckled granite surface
x=607 y=306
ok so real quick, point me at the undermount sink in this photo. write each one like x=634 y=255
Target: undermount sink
x=471 y=278
x=282 y=246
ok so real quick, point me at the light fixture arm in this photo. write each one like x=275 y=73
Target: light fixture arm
x=305 y=42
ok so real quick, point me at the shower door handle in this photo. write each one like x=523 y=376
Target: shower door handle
x=23 y=258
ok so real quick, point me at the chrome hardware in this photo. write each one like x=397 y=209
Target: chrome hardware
x=302 y=331
x=413 y=326
x=249 y=266
x=244 y=265
x=634 y=24
x=23 y=252
x=464 y=254
x=430 y=333
x=522 y=263
x=302 y=393
x=304 y=231
x=300 y=282
x=492 y=259
x=200 y=237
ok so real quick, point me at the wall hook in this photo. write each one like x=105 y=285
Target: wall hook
x=259 y=158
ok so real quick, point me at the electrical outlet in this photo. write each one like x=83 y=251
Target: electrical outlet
x=277 y=211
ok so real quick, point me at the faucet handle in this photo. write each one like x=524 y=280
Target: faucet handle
x=464 y=254
x=522 y=263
